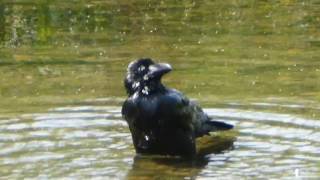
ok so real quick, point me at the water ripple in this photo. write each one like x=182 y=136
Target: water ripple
x=86 y=141
x=264 y=117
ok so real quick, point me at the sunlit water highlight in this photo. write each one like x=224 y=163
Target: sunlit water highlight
x=94 y=142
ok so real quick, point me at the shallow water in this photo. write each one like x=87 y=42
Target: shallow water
x=93 y=141
x=254 y=64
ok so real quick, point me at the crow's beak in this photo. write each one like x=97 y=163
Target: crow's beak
x=159 y=69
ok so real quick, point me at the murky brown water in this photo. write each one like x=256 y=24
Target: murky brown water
x=254 y=64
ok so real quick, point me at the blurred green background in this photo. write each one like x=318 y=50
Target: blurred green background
x=60 y=52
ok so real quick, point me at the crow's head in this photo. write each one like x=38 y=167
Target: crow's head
x=144 y=76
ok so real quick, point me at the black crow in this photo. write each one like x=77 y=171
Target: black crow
x=162 y=120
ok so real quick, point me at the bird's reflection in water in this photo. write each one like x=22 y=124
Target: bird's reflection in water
x=163 y=167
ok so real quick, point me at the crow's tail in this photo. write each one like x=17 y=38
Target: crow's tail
x=219 y=126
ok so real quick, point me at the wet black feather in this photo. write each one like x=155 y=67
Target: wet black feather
x=162 y=120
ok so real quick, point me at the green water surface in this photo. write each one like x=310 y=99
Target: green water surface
x=245 y=58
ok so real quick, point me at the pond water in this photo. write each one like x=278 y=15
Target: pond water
x=255 y=64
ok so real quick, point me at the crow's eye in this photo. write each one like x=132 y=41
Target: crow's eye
x=141 y=68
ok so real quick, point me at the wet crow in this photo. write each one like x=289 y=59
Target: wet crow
x=162 y=120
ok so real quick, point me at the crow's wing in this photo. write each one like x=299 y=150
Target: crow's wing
x=203 y=123
x=191 y=115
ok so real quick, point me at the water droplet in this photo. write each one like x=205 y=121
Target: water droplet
x=145 y=77
x=296 y=172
